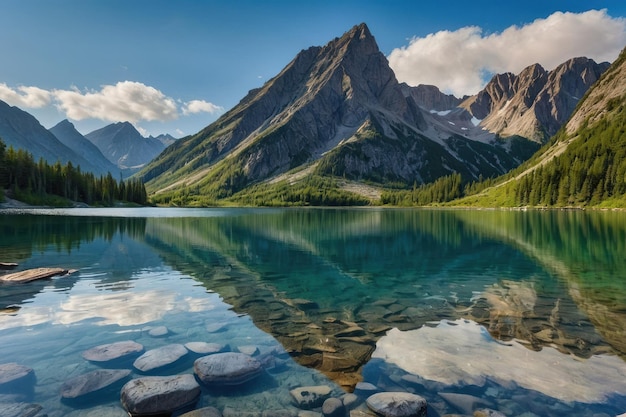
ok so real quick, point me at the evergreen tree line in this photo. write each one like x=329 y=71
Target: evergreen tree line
x=593 y=169
x=442 y=190
x=36 y=181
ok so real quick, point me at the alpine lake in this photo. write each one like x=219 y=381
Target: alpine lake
x=518 y=312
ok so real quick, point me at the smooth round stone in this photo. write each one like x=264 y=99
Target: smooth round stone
x=310 y=397
x=250 y=350
x=204 y=412
x=13 y=373
x=229 y=368
x=92 y=382
x=160 y=357
x=333 y=407
x=158 y=331
x=397 y=404
x=204 y=348
x=113 y=351
x=154 y=395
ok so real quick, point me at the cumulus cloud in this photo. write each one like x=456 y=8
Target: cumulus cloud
x=462 y=61
x=125 y=101
x=31 y=97
x=200 y=106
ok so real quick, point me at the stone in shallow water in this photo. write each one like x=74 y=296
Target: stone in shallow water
x=397 y=404
x=310 y=397
x=113 y=351
x=203 y=412
x=229 y=368
x=204 y=348
x=250 y=350
x=21 y=410
x=91 y=382
x=333 y=407
x=487 y=412
x=158 y=331
x=464 y=402
x=160 y=357
x=154 y=395
x=13 y=374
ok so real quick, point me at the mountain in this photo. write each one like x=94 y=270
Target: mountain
x=124 y=146
x=23 y=131
x=67 y=134
x=584 y=164
x=166 y=139
x=535 y=103
x=336 y=110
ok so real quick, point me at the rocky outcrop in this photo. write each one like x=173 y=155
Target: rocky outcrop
x=535 y=103
x=430 y=98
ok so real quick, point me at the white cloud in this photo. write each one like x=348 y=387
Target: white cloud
x=125 y=101
x=30 y=97
x=462 y=61
x=200 y=106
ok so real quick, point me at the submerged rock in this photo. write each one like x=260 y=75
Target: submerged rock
x=154 y=395
x=158 y=331
x=13 y=374
x=204 y=348
x=310 y=397
x=203 y=412
x=21 y=410
x=229 y=368
x=113 y=351
x=397 y=404
x=333 y=407
x=160 y=357
x=92 y=382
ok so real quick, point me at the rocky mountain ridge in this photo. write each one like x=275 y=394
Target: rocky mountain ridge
x=336 y=110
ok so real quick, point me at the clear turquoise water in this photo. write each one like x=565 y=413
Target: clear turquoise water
x=521 y=275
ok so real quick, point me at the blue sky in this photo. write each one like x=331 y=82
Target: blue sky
x=175 y=66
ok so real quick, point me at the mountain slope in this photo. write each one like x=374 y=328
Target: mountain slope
x=336 y=109
x=124 y=146
x=22 y=131
x=67 y=134
x=584 y=164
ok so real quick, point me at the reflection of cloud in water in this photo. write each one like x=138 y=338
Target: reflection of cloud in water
x=464 y=353
x=121 y=308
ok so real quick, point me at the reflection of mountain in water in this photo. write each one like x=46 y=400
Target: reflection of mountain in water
x=328 y=283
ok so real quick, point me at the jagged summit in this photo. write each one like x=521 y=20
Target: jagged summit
x=124 y=146
x=338 y=110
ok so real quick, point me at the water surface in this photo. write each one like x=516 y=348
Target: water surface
x=471 y=297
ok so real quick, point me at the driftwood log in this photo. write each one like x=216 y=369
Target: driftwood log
x=34 y=274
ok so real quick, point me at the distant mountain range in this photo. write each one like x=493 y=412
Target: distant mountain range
x=124 y=146
x=339 y=111
x=116 y=148
x=335 y=111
